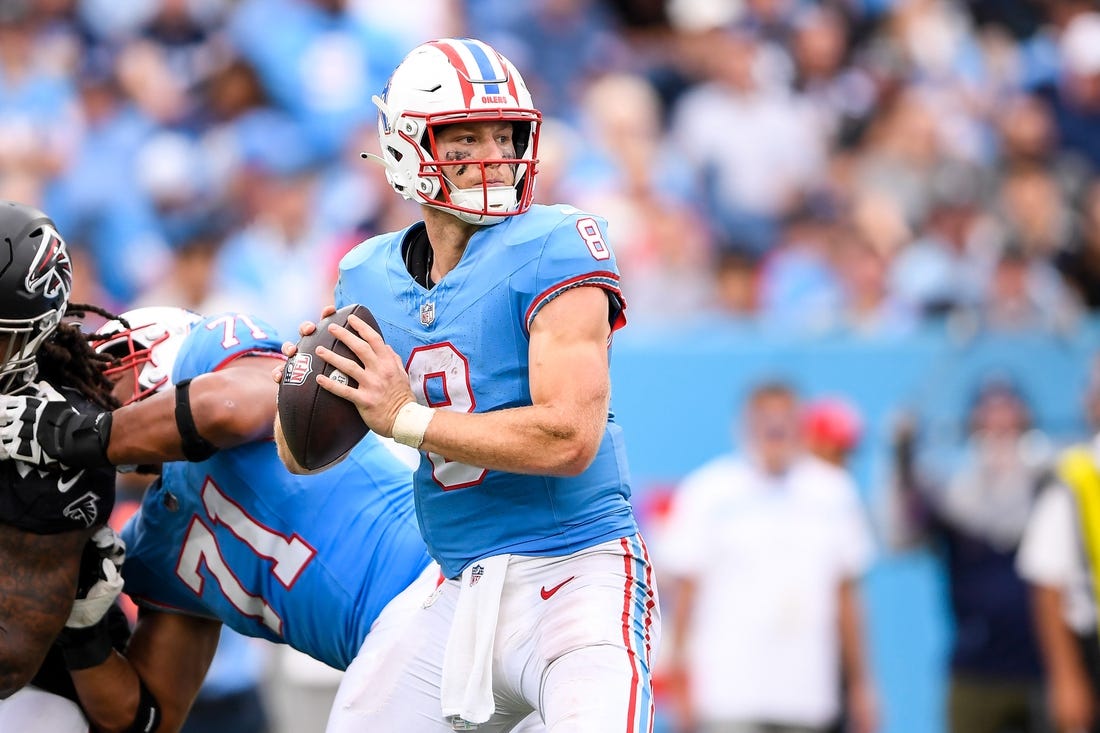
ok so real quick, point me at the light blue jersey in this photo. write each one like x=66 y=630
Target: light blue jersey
x=465 y=345
x=306 y=560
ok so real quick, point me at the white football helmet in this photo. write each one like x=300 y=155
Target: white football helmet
x=148 y=347
x=441 y=83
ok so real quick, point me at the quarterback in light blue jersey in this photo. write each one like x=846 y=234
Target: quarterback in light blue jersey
x=229 y=536
x=495 y=320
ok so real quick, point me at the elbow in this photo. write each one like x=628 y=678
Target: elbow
x=226 y=428
x=233 y=416
x=573 y=457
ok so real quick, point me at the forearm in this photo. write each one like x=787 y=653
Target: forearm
x=537 y=439
x=168 y=654
x=850 y=618
x=229 y=408
x=145 y=432
x=190 y=644
x=1057 y=644
x=109 y=694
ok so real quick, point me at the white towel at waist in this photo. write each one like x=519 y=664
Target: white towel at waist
x=467 y=688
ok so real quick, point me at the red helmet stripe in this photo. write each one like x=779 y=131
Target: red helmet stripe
x=459 y=66
x=511 y=77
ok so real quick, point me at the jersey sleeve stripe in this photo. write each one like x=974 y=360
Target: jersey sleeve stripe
x=248 y=352
x=607 y=280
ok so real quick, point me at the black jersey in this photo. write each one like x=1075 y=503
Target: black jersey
x=55 y=498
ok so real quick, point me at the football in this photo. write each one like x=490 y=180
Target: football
x=319 y=427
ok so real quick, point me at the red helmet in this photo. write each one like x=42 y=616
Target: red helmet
x=832 y=421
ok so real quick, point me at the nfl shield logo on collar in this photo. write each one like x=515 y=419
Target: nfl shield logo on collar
x=427 y=314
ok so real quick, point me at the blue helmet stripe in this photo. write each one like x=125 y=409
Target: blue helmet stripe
x=483 y=66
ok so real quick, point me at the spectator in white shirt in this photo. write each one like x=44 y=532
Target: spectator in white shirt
x=765 y=551
x=1059 y=559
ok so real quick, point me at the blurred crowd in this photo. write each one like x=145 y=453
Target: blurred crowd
x=812 y=166
x=852 y=165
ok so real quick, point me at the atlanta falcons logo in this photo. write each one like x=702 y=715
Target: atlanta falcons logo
x=51 y=271
x=84 y=510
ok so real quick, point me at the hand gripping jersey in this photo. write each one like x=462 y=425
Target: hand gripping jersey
x=305 y=560
x=55 y=498
x=465 y=346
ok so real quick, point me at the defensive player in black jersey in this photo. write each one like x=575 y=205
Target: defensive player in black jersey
x=47 y=514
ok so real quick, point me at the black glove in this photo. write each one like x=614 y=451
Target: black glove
x=45 y=429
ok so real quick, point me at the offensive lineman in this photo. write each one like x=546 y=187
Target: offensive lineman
x=229 y=536
x=497 y=317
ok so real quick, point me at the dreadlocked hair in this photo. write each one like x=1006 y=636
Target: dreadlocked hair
x=67 y=358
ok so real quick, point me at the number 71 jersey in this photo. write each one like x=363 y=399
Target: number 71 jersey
x=305 y=560
x=465 y=346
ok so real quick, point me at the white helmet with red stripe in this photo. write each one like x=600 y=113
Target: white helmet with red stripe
x=442 y=83
x=146 y=342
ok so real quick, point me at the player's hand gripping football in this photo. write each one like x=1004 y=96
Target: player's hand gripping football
x=290 y=348
x=100 y=579
x=382 y=384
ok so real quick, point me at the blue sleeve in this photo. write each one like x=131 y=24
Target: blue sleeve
x=340 y=298
x=153 y=540
x=576 y=253
x=218 y=340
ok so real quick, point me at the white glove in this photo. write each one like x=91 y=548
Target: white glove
x=92 y=606
x=20 y=418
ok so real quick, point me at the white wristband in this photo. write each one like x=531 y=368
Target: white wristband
x=411 y=423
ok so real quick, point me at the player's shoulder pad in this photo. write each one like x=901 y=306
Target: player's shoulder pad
x=63 y=392
x=578 y=238
x=219 y=339
x=377 y=246
x=574 y=252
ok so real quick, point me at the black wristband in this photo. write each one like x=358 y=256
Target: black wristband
x=195 y=447
x=77 y=440
x=148 y=715
x=86 y=647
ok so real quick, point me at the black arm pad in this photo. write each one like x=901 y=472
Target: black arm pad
x=195 y=447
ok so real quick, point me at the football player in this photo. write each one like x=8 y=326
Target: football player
x=497 y=318
x=228 y=536
x=48 y=514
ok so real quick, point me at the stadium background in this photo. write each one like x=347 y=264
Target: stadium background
x=886 y=200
